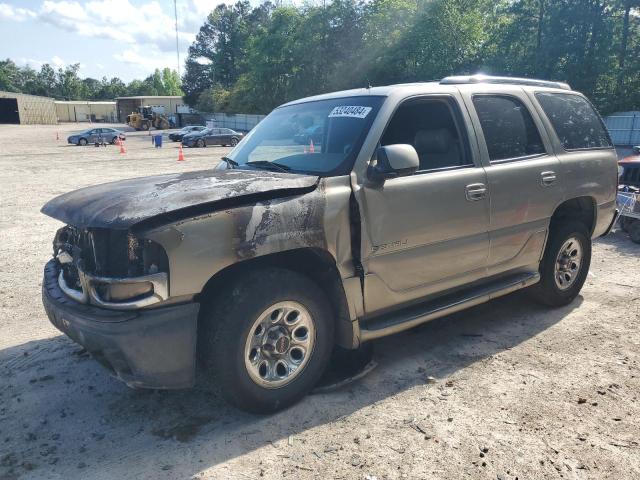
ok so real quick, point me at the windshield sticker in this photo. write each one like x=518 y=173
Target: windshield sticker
x=350 y=111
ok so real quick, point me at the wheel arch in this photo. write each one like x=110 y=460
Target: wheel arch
x=315 y=263
x=583 y=209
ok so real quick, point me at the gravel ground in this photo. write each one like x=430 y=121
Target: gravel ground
x=505 y=390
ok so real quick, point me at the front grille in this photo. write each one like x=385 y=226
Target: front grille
x=98 y=251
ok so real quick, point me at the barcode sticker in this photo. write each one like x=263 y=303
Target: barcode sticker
x=350 y=111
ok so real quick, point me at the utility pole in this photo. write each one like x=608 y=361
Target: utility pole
x=175 y=13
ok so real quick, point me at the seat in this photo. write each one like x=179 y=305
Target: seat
x=437 y=148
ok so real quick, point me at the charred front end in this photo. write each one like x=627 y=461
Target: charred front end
x=110 y=268
x=105 y=289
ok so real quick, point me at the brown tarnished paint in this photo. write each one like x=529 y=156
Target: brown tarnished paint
x=280 y=224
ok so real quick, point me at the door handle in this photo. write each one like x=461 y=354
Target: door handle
x=547 y=178
x=475 y=191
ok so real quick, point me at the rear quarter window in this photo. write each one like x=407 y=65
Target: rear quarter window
x=574 y=120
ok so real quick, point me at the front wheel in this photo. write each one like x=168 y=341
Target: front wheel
x=234 y=142
x=267 y=339
x=565 y=264
x=200 y=143
x=82 y=142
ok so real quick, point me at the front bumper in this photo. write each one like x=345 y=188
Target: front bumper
x=153 y=348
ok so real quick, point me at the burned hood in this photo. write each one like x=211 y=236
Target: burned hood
x=128 y=203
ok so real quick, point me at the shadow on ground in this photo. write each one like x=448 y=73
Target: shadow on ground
x=61 y=414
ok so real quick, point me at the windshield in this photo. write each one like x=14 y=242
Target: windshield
x=321 y=137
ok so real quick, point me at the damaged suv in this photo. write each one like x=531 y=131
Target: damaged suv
x=414 y=202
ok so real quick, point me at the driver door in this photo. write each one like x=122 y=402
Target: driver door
x=428 y=232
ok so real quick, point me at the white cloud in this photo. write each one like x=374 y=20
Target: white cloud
x=57 y=62
x=16 y=14
x=120 y=20
x=142 y=34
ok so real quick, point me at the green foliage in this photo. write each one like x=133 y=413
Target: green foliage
x=253 y=60
x=248 y=59
x=65 y=84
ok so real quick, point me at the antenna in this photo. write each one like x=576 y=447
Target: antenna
x=175 y=13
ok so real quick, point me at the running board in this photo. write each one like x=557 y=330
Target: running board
x=395 y=322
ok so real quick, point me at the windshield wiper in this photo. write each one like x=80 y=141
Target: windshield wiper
x=230 y=162
x=266 y=163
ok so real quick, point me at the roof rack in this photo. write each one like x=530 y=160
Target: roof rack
x=468 y=79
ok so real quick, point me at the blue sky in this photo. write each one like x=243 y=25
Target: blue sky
x=123 y=38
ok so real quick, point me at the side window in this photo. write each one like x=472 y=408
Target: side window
x=575 y=121
x=507 y=127
x=431 y=127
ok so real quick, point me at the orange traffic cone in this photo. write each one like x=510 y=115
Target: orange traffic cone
x=311 y=149
x=122 y=149
x=180 y=153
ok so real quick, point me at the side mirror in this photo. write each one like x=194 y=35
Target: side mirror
x=636 y=149
x=394 y=161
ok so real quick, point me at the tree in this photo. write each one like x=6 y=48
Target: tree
x=9 y=76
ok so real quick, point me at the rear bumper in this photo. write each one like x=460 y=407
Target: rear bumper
x=152 y=348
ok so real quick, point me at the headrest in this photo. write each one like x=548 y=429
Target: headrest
x=433 y=141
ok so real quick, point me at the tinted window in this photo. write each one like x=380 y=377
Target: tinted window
x=430 y=127
x=507 y=127
x=575 y=121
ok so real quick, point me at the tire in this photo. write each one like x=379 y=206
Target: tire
x=83 y=142
x=145 y=126
x=253 y=375
x=234 y=142
x=633 y=228
x=560 y=286
x=200 y=143
x=114 y=140
x=625 y=222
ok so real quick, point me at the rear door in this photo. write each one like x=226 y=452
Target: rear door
x=523 y=174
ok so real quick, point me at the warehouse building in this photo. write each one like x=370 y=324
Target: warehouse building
x=172 y=105
x=83 y=111
x=23 y=109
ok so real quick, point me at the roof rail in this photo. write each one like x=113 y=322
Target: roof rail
x=467 y=79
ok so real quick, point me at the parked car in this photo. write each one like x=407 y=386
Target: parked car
x=212 y=136
x=423 y=200
x=96 y=135
x=177 y=136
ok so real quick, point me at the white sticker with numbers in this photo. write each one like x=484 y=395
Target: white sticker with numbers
x=350 y=111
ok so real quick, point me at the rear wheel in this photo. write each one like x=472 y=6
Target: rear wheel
x=565 y=264
x=633 y=228
x=267 y=339
x=82 y=142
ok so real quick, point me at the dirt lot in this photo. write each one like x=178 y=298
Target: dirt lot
x=518 y=391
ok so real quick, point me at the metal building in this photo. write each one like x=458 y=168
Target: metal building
x=86 y=111
x=172 y=105
x=20 y=108
x=624 y=128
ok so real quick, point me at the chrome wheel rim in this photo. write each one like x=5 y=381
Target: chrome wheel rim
x=279 y=344
x=568 y=263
